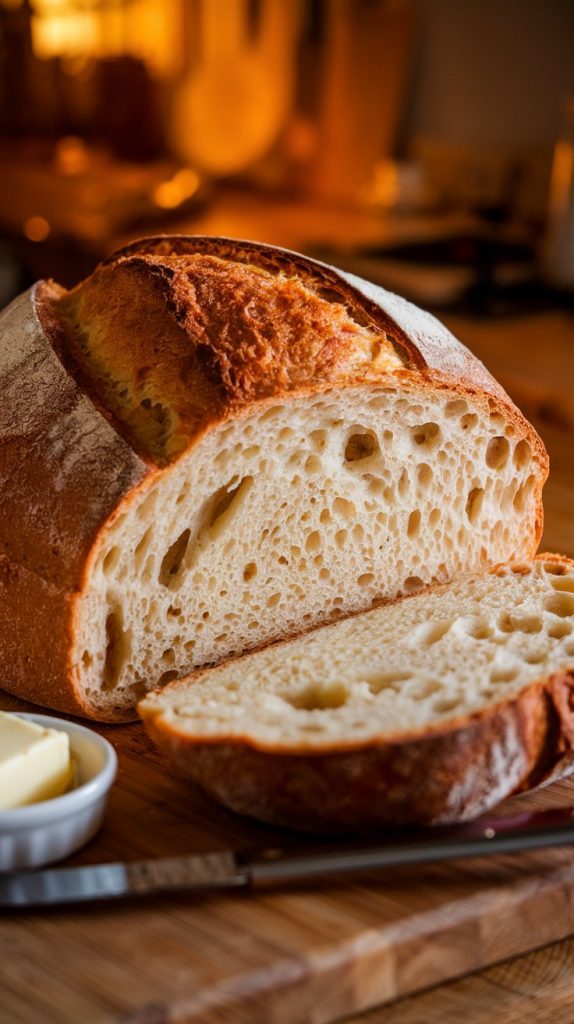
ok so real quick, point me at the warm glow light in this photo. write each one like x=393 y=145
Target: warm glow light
x=36 y=229
x=562 y=177
x=169 y=194
x=384 y=188
x=147 y=29
x=231 y=107
x=71 y=155
x=58 y=29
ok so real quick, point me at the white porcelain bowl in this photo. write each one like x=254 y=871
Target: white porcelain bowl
x=48 y=831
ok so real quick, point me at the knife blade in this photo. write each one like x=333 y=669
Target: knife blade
x=226 y=869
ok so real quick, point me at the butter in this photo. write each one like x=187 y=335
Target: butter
x=35 y=762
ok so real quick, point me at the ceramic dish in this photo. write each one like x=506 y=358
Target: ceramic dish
x=50 y=830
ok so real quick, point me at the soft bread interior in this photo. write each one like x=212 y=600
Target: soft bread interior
x=295 y=513
x=395 y=670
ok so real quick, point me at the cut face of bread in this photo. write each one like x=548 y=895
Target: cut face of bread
x=210 y=444
x=294 y=514
x=430 y=709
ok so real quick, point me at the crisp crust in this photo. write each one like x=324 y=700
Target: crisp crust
x=70 y=462
x=63 y=472
x=448 y=776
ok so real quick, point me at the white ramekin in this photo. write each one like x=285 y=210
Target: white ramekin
x=48 y=831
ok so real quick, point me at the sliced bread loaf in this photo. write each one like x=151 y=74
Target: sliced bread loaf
x=209 y=445
x=429 y=710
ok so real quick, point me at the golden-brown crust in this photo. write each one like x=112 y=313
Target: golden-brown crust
x=172 y=344
x=69 y=462
x=447 y=774
x=63 y=470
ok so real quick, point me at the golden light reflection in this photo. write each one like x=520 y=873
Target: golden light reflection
x=147 y=29
x=171 y=193
x=36 y=229
x=384 y=189
x=72 y=155
x=562 y=177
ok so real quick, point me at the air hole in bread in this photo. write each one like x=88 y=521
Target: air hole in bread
x=319 y=439
x=424 y=476
x=225 y=502
x=475 y=626
x=168 y=655
x=387 y=681
x=142 y=546
x=560 y=604
x=361 y=445
x=563 y=583
x=365 y=579
x=523 y=493
x=469 y=421
x=428 y=434
x=554 y=568
x=313 y=465
x=111 y=560
x=526 y=623
x=412 y=583
x=173 y=611
x=313 y=542
x=474 y=503
x=430 y=633
x=117 y=649
x=425 y=689
x=505 y=623
x=171 y=562
x=444 y=704
x=167 y=676
x=522 y=455
x=558 y=630
x=497 y=453
x=403 y=484
x=345 y=508
x=250 y=571
x=503 y=673
x=414 y=524
x=457 y=407
x=87 y=659
x=375 y=486
x=534 y=657
x=319 y=698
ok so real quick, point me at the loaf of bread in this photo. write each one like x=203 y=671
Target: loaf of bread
x=209 y=445
x=429 y=710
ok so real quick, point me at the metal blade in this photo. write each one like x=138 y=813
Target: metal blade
x=225 y=869
x=480 y=838
x=113 y=881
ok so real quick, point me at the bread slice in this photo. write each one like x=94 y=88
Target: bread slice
x=429 y=710
x=209 y=445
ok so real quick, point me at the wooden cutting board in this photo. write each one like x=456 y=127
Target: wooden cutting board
x=294 y=956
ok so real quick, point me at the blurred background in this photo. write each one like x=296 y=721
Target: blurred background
x=425 y=144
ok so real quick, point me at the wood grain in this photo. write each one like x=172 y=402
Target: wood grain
x=315 y=954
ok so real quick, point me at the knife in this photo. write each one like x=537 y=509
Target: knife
x=228 y=869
